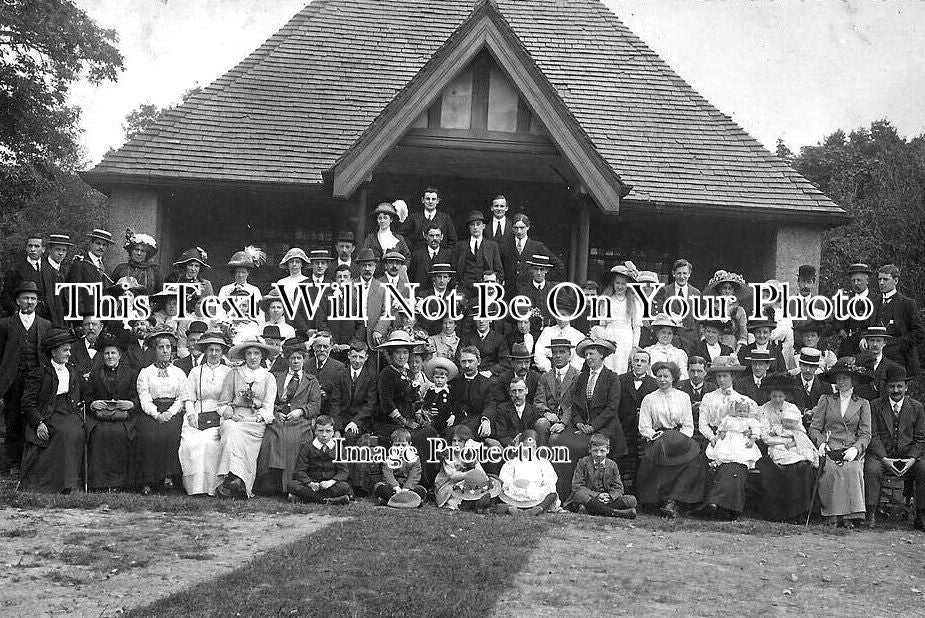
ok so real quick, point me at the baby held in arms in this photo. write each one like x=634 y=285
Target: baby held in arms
x=735 y=438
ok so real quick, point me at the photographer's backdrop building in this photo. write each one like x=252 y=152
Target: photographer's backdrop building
x=554 y=103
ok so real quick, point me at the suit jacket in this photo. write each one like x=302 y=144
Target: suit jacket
x=829 y=426
x=473 y=400
x=556 y=398
x=508 y=234
x=508 y=425
x=489 y=252
x=777 y=364
x=419 y=268
x=903 y=437
x=20 y=271
x=335 y=384
x=504 y=382
x=434 y=327
x=495 y=355
x=307 y=395
x=807 y=401
x=330 y=273
x=38 y=397
x=685 y=387
x=902 y=321
x=630 y=401
x=746 y=386
x=54 y=303
x=517 y=271
x=416 y=225
x=362 y=400
x=701 y=350
x=82 y=270
x=376 y=322
x=11 y=340
x=689 y=335
x=80 y=358
x=602 y=411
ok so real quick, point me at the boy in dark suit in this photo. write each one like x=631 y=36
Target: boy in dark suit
x=355 y=417
x=317 y=477
x=596 y=484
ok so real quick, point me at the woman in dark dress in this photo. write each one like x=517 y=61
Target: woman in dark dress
x=384 y=239
x=141 y=250
x=112 y=405
x=188 y=269
x=55 y=434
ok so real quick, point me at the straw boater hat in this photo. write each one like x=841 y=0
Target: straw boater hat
x=759 y=355
x=725 y=363
x=847 y=365
x=294 y=252
x=810 y=356
x=237 y=352
x=540 y=261
x=441 y=268
x=560 y=343
x=647 y=276
x=664 y=320
x=250 y=257
x=145 y=241
x=404 y=499
x=860 y=267
x=876 y=331
x=778 y=382
x=520 y=351
x=196 y=254
x=57 y=337
x=518 y=495
x=213 y=337
x=444 y=363
x=162 y=330
x=386 y=208
x=626 y=269
x=320 y=255
x=723 y=276
x=108 y=340
x=103 y=235
x=60 y=239
x=398 y=339
x=606 y=347
x=475 y=484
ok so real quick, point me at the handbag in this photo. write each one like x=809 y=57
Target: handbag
x=207 y=420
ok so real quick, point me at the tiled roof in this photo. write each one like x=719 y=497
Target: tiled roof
x=288 y=111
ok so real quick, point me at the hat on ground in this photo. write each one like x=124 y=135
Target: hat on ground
x=25 y=287
x=440 y=362
x=99 y=234
x=850 y=366
x=475 y=215
x=725 y=363
x=519 y=350
x=294 y=344
x=108 y=340
x=540 y=261
x=393 y=255
x=398 y=339
x=294 y=252
x=441 y=268
x=60 y=239
x=345 y=236
x=404 y=499
x=806 y=271
x=386 y=208
x=664 y=320
x=162 y=330
x=365 y=255
x=626 y=269
x=212 y=337
x=896 y=373
x=673 y=448
x=144 y=241
x=778 y=382
x=560 y=343
x=197 y=326
x=647 y=276
x=475 y=484
x=860 y=267
x=271 y=331
x=518 y=495
x=125 y=284
x=250 y=257
x=237 y=352
x=810 y=356
x=756 y=324
x=196 y=254
x=723 y=276
x=320 y=255
x=57 y=337
x=606 y=347
x=876 y=331
x=759 y=355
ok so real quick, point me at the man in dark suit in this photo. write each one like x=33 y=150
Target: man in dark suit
x=688 y=336
x=417 y=222
x=520 y=369
x=495 y=357
x=21 y=336
x=441 y=274
x=499 y=228
x=377 y=325
x=354 y=420
x=762 y=343
x=553 y=392
x=850 y=330
x=332 y=376
x=897 y=444
x=750 y=384
x=53 y=273
x=520 y=251
x=634 y=385
x=344 y=246
x=516 y=414
x=476 y=255
x=89 y=267
x=710 y=346
x=195 y=357
x=474 y=398
x=807 y=387
x=424 y=258
x=537 y=289
x=874 y=358
x=696 y=386
x=27 y=268
x=343 y=332
x=596 y=397
x=900 y=315
x=84 y=357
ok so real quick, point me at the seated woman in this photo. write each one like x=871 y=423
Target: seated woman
x=787 y=477
x=298 y=403
x=672 y=469
x=199 y=440
x=841 y=429
x=528 y=484
x=732 y=454
x=162 y=392
x=54 y=431
x=112 y=403
x=248 y=397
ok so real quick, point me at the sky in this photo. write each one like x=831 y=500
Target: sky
x=790 y=69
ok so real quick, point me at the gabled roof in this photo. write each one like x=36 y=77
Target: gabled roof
x=289 y=112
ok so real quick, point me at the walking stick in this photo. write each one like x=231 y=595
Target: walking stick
x=83 y=409
x=812 y=500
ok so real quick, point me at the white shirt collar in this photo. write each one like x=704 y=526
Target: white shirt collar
x=889 y=295
x=318 y=445
x=27 y=319
x=895 y=404
x=96 y=261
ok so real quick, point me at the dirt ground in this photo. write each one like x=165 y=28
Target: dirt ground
x=67 y=562
x=623 y=569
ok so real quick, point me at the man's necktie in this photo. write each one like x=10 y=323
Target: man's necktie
x=497 y=228
x=292 y=387
x=592 y=380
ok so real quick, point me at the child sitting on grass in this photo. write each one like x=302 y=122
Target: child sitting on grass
x=596 y=484
x=407 y=474
x=461 y=483
x=528 y=482
x=317 y=477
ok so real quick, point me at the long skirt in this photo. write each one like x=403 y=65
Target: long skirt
x=240 y=446
x=111 y=453
x=578 y=445
x=200 y=452
x=727 y=490
x=279 y=451
x=841 y=488
x=158 y=446
x=787 y=491
x=657 y=483
x=55 y=467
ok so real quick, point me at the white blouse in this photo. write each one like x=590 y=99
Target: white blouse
x=151 y=386
x=205 y=385
x=666 y=410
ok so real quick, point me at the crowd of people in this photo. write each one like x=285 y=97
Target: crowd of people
x=710 y=418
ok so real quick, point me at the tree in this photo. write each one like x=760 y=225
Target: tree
x=783 y=152
x=147 y=114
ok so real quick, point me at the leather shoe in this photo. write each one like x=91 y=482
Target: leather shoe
x=624 y=513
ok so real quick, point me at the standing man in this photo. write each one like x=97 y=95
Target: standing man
x=500 y=230
x=417 y=223
x=53 y=273
x=344 y=245
x=477 y=255
x=28 y=268
x=377 y=325
x=850 y=330
x=441 y=274
x=537 y=290
x=89 y=267
x=517 y=252
x=424 y=258
x=688 y=335
x=900 y=315
x=21 y=336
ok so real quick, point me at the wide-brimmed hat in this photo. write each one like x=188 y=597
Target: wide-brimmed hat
x=778 y=382
x=759 y=355
x=265 y=301
x=60 y=239
x=272 y=331
x=517 y=494
x=761 y=323
x=663 y=320
x=294 y=252
x=626 y=269
x=24 y=287
x=250 y=257
x=393 y=255
x=161 y=330
x=145 y=241
x=196 y=254
x=719 y=325
x=365 y=255
x=540 y=261
x=475 y=484
x=559 y=342
x=125 y=284
x=294 y=344
x=159 y=301
x=441 y=268
x=386 y=208
x=725 y=363
x=847 y=365
x=99 y=234
x=809 y=356
x=398 y=339
x=812 y=326
x=876 y=331
x=440 y=362
x=322 y=255
x=237 y=352
x=108 y=340
x=860 y=267
x=213 y=337
x=57 y=337
x=647 y=276
x=345 y=236
x=404 y=499
x=896 y=373
x=519 y=350
x=724 y=276
x=673 y=448
x=606 y=347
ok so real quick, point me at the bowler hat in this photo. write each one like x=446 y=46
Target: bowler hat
x=25 y=287
x=57 y=337
x=365 y=255
x=475 y=215
x=345 y=236
x=897 y=373
x=806 y=272
x=60 y=239
x=271 y=331
x=860 y=267
x=294 y=252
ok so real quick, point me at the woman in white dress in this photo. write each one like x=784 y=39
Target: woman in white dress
x=248 y=396
x=625 y=323
x=200 y=450
x=274 y=313
x=295 y=261
x=664 y=351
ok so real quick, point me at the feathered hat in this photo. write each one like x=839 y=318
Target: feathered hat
x=146 y=241
x=250 y=257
